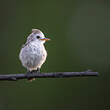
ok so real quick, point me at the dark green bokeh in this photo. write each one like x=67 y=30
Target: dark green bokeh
x=80 y=33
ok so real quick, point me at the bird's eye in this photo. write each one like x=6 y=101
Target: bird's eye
x=38 y=37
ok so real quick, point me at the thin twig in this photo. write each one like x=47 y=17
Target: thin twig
x=14 y=77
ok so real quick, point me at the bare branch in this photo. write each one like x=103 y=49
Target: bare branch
x=14 y=77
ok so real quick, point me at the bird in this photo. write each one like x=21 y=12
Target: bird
x=33 y=53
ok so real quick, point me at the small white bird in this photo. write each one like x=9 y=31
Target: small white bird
x=33 y=53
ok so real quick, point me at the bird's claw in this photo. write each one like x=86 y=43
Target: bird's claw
x=32 y=72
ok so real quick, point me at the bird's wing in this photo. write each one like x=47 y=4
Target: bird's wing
x=24 y=44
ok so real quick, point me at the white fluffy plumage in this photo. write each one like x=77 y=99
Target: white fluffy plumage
x=33 y=53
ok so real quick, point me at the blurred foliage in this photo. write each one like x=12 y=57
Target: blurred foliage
x=80 y=40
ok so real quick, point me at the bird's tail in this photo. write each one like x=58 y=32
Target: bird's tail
x=31 y=79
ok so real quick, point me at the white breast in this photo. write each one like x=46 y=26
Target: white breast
x=33 y=56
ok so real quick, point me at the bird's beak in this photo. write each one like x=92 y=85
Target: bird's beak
x=44 y=39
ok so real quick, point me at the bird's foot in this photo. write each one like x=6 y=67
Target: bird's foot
x=36 y=71
x=32 y=72
x=30 y=79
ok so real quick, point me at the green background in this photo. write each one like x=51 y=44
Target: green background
x=80 y=40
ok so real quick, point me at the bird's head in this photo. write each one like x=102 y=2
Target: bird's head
x=37 y=36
